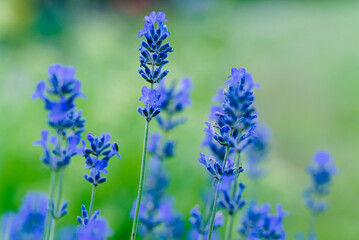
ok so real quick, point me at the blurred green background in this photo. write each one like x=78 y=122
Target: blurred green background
x=305 y=55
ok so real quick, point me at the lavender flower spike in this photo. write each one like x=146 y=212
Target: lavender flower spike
x=154 y=53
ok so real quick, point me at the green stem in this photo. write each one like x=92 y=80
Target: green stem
x=230 y=221
x=140 y=187
x=92 y=200
x=58 y=204
x=49 y=209
x=215 y=202
x=311 y=224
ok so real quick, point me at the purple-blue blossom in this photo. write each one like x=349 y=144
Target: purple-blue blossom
x=150 y=97
x=258 y=223
x=55 y=155
x=174 y=99
x=215 y=168
x=154 y=51
x=199 y=227
x=256 y=152
x=29 y=221
x=321 y=170
x=235 y=117
x=59 y=94
x=231 y=204
x=98 y=155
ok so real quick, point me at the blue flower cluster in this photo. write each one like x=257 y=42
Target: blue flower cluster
x=59 y=96
x=257 y=152
x=235 y=117
x=153 y=51
x=92 y=227
x=321 y=171
x=173 y=100
x=29 y=221
x=98 y=156
x=257 y=223
x=215 y=168
x=54 y=155
x=150 y=97
x=231 y=203
x=199 y=228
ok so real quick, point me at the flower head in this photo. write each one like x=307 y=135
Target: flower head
x=215 y=168
x=258 y=223
x=174 y=99
x=227 y=202
x=150 y=98
x=321 y=171
x=199 y=227
x=54 y=155
x=98 y=155
x=235 y=117
x=153 y=51
x=59 y=95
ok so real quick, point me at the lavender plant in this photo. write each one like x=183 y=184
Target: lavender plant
x=321 y=171
x=233 y=128
x=153 y=57
x=59 y=95
x=97 y=157
x=158 y=219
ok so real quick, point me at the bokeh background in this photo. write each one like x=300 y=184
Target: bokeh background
x=305 y=55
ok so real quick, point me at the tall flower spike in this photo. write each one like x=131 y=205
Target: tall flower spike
x=321 y=171
x=59 y=94
x=153 y=51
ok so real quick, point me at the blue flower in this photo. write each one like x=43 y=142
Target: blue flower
x=236 y=116
x=256 y=152
x=215 y=168
x=29 y=221
x=153 y=51
x=159 y=149
x=150 y=98
x=174 y=99
x=56 y=156
x=59 y=95
x=198 y=226
x=322 y=171
x=96 y=230
x=258 y=223
x=231 y=204
x=98 y=155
